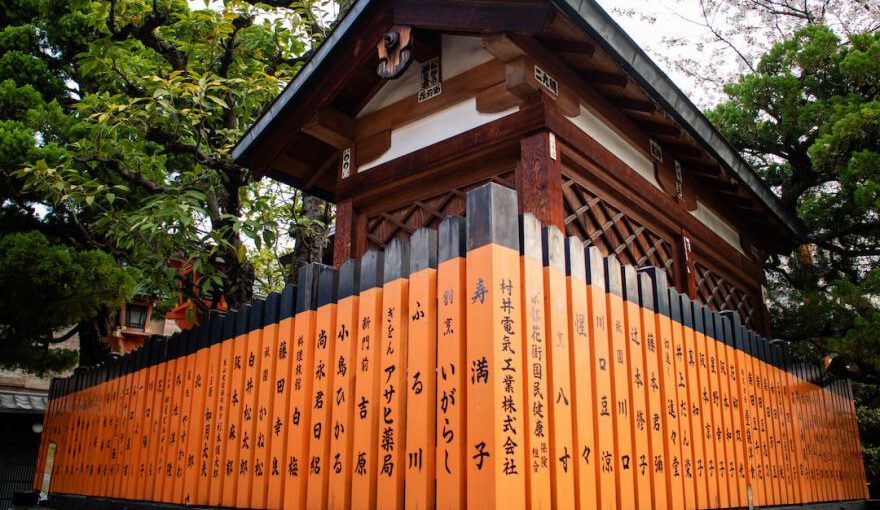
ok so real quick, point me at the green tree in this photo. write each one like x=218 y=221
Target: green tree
x=44 y=289
x=808 y=119
x=117 y=119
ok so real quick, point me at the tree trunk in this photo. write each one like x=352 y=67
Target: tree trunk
x=310 y=236
x=92 y=332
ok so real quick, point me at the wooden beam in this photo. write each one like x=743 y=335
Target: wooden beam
x=425 y=45
x=482 y=17
x=638 y=105
x=658 y=128
x=414 y=168
x=589 y=96
x=292 y=166
x=563 y=46
x=331 y=127
x=682 y=149
x=603 y=78
x=330 y=163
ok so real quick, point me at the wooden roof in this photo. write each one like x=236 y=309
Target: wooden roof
x=290 y=142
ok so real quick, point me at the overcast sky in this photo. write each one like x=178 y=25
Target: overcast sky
x=670 y=20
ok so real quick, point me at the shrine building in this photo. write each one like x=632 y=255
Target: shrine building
x=409 y=104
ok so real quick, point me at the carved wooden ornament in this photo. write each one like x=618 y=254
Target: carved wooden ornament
x=395 y=52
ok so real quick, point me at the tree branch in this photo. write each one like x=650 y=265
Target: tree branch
x=65 y=337
x=146 y=34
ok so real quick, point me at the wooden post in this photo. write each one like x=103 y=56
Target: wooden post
x=341 y=398
x=343 y=242
x=390 y=438
x=562 y=473
x=495 y=452
x=539 y=391
x=297 y=448
x=639 y=423
x=539 y=179
x=451 y=368
x=421 y=381
x=583 y=373
x=281 y=423
x=653 y=381
x=232 y=434
x=366 y=392
x=263 y=407
x=323 y=374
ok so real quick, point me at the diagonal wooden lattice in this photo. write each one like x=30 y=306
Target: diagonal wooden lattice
x=428 y=212
x=720 y=294
x=594 y=221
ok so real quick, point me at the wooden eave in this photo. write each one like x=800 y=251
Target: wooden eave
x=298 y=140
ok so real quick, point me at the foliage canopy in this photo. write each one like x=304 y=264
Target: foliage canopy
x=118 y=118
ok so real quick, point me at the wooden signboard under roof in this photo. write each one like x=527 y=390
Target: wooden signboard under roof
x=408 y=104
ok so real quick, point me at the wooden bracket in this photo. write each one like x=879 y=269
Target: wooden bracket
x=395 y=52
x=331 y=127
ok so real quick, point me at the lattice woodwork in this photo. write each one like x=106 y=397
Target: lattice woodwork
x=720 y=294
x=594 y=221
x=427 y=212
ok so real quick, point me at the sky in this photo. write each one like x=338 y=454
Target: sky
x=669 y=20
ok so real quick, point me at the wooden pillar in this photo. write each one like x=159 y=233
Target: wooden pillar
x=342 y=244
x=539 y=179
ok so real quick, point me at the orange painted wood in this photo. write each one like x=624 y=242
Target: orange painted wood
x=248 y=426
x=621 y=402
x=695 y=415
x=321 y=400
x=639 y=424
x=367 y=413
x=562 y=473
x=582 y=370
x=718 y=420
x=656 y=406
x=264 y=411
x=391 y=434
x=421 y=391
x=135 y=435
x=296 y=471
x=205 y=436
x=339 y=461
x=281 y=421
x=706 y=422
x=234 y=416
x=496 y=460
x=737 y=470
x=669 y=392
x=159 y=492
x=450 y=456
x=683 y=410
x=539 y=390
x=220 y=442
x=153 y=414
x=174 y=427
x=598 y=331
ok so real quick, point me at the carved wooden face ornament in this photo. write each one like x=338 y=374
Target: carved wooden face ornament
x=395 y=52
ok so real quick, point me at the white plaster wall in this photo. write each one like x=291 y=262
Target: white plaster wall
x=616 y=144
x=719 y=226
x=435 y=128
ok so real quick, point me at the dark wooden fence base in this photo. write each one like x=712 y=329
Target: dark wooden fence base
x=64 y=502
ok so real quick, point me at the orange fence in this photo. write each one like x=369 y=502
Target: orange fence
x=492 y=364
